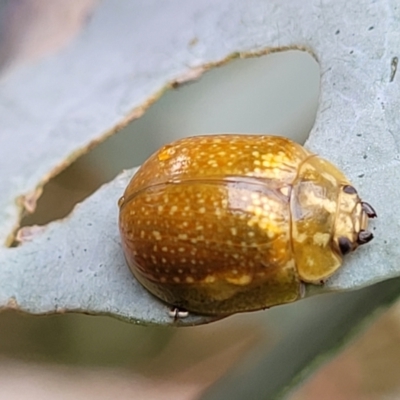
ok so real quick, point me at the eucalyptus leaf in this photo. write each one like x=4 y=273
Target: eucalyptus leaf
x=77 y=265
x=127 y=55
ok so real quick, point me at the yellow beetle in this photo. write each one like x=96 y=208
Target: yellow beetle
x=230 y=223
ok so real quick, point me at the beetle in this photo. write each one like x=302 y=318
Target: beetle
x=229 y=223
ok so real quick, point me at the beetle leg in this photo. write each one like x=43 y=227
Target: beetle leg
x=302 y=290
x=177 y=313
x=364 y=237
x=368 y=210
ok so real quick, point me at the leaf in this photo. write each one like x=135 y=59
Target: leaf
x=311 y=333
x=54 y=110
x=77 y=264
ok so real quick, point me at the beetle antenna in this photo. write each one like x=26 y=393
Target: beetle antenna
x=364 y=237
x=368 y=209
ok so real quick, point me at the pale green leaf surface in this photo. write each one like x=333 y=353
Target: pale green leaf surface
x=129 y=52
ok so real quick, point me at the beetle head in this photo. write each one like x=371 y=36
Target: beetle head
x=351 y=222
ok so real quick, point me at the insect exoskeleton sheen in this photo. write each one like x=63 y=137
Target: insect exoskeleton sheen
x=223 y=224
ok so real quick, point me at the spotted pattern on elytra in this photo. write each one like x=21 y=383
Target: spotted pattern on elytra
x=221 y=156
x=243 y=231
x=229 y=223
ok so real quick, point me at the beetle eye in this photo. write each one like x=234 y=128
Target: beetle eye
x=364 y=237
x=345 y=245
x=349 y=189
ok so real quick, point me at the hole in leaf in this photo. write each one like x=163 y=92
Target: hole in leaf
x=273 y=94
